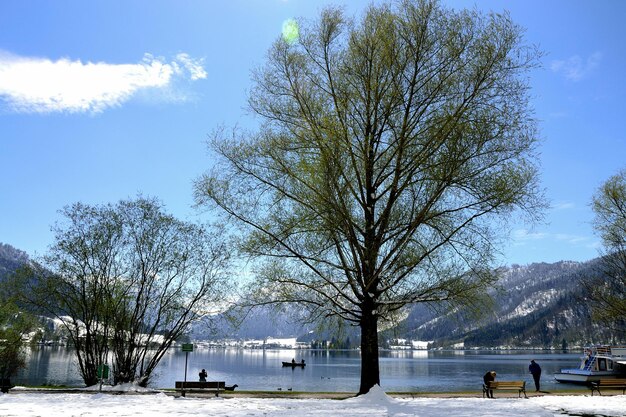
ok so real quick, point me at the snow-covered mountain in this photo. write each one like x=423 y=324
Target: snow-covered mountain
x=536 y=305
x=10 y=260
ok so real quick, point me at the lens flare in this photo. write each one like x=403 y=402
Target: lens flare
x=290 y=31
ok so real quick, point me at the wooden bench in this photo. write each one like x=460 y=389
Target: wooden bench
x=519 y=386
x=197 y=386
x=608 y=383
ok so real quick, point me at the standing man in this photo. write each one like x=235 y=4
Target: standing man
x=535 y=371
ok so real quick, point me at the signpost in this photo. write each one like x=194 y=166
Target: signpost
x=103 y=373
x=187 y=347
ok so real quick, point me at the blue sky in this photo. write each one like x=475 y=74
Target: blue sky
x=102 y=100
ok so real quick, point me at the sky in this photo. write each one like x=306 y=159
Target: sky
x=104 y=100
x=373 y=404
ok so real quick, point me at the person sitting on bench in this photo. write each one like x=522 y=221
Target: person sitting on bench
x=489 y=377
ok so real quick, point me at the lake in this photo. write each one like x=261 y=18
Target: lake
x=330 y=371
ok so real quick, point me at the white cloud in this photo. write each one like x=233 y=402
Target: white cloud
x=522 y=236
x=193 y=66
x=563 y=206
x=576 y=68
x=573 y=239
x=40 y=85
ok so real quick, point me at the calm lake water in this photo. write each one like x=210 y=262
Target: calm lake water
x=331 y=371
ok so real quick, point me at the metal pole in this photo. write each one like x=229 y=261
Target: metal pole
x=185 y=382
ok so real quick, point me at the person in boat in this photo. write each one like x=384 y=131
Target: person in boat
x=489 y=377
x=302 y=362
x=202 y=375
x=535 y=371
x=293 y=361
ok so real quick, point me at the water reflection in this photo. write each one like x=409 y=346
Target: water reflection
x=50 y=366
x=333 y=371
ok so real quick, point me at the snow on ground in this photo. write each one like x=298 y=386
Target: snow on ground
x=374 y=404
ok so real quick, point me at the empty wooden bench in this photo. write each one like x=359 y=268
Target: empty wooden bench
x=519 y=386
x=199 y=387
x=608 y=383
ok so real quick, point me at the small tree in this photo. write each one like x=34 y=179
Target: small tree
x=608 y=290
x=388 y=151
x=15 y=327
x=175 y=275
x=74 y=283
x=128 y=280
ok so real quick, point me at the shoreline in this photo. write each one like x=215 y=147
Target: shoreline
x=34 y=402
x=298 y=394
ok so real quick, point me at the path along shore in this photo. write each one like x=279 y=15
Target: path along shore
x=304 y=395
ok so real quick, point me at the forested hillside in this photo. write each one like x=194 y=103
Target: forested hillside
x=536 y=305
x=10 y=260
x=539 y=305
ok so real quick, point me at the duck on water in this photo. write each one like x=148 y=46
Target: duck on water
x=601 y=361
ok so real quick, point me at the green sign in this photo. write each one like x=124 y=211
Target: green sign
x=103 y=371
x=187 y=347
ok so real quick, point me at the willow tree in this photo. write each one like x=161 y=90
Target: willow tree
x=608 y=290
x=389 y=148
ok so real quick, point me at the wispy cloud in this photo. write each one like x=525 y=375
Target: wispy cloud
x=558 y=115
x=573 y=239
x=193 y=66
x=563 y=205
x=522 y=236
x=576 y=68
x=40 y=85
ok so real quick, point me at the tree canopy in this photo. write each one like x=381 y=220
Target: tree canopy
x=389 y=148
x=608 y=290
x=15 y=328
x=127 y=280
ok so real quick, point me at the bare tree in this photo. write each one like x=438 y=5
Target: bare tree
x=175 y=274
x=73 y=284
x=388 y=151
x=127 y=281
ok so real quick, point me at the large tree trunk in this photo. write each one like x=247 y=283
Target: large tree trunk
x=369 y=352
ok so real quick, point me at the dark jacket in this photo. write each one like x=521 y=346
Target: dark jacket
x=488 y=378
x=534 y=368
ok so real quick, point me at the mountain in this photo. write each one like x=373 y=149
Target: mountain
x=10 y=260
x=538 y=305
x=260 y=323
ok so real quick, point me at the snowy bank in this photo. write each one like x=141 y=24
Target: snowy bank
x=376 y=403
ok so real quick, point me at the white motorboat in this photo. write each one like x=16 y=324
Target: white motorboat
x=598 y=362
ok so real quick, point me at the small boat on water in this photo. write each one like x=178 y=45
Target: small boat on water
x=598 y=362
x=294 y=364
